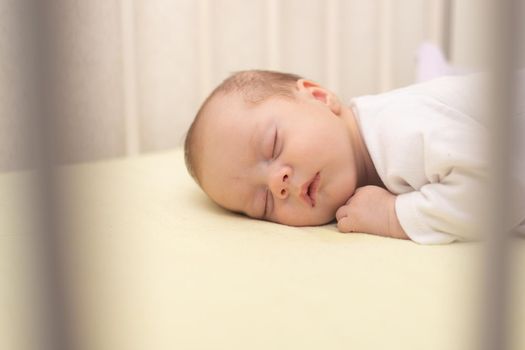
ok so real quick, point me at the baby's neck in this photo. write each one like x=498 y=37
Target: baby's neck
x=366 y=171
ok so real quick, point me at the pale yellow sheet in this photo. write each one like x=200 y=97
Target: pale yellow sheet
x=153 y=264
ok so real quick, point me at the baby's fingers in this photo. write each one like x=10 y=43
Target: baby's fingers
x=341 y=212
x=344 y=224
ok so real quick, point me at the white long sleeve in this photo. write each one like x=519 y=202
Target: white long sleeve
x=428 y=143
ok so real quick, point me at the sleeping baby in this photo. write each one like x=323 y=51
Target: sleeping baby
x=408 y=164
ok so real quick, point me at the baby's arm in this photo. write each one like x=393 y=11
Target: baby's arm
x=371 y=210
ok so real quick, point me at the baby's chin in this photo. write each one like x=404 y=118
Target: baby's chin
x=307 y=219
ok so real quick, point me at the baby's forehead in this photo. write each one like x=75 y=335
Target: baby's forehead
x=220 y=106
x=225 y=118
x=226 y=97
x=232 y=113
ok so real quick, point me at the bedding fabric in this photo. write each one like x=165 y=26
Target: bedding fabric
x=151 y=263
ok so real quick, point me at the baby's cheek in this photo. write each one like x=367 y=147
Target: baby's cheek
x=288 y=215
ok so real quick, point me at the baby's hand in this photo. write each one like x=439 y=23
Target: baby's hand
x=371 y=210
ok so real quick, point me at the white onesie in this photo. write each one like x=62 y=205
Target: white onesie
x=429 y=143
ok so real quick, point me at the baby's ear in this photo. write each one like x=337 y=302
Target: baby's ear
x=311 y=89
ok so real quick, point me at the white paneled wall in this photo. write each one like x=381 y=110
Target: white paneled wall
x=185 y=48
x=135 y=71
x=167 y=69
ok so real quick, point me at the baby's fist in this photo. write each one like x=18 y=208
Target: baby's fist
x=371 y=210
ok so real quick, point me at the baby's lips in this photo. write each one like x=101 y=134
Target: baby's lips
x=314 y=186
x=309 y=190
x=307 y=199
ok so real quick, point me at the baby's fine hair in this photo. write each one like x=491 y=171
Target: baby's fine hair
x=254 y=86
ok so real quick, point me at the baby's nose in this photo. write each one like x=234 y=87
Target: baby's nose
x=280 y=182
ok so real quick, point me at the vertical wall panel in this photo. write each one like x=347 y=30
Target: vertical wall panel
x=167 y=64
x=409 y=27
x=302 y=46
x=272 y=23
x=129 y=83
x=332 y=41
x=386 y=45
x=359 y=21
x=239 y=34
x=438 y=13
x=90 y=80
x=204 y=48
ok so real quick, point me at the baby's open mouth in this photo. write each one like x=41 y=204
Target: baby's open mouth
x=309 y=190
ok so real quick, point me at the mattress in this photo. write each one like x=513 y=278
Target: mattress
x=151 y=263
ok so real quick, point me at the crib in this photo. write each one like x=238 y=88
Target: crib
x=132 y=255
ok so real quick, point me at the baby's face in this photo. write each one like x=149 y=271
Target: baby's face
x=287 y=161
